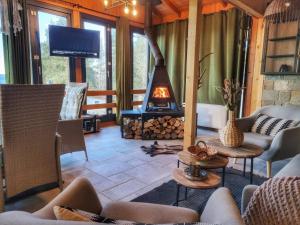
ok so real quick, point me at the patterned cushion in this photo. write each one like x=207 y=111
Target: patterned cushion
x=69 y=214
x=73 y=101
x=268 y=125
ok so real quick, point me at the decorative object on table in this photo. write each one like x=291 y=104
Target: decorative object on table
x=157 y=149
x=284 y=68
x=199 y=152
x=231 y=135
x=283 y=11
x=202 y=152
x=195 y=173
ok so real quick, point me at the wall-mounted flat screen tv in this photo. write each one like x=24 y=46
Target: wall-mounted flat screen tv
x=74 y=42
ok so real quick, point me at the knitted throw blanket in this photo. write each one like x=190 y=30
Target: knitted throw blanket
x=276 y=202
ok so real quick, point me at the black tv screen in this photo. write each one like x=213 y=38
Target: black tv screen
x=74 y=42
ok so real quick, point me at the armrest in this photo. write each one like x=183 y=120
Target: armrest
x=149 y=213
x=247 y=195
x=245 y=123
x=222 y=209
x=286 y=144
x=66 y=126
x=80 y=194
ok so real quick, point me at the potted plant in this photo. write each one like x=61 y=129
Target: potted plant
x=231 y=135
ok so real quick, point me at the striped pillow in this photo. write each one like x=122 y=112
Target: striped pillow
x=268 y=125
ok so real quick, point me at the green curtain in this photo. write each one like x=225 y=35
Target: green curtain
x=172 y=40
x=16 y=50
x=123 y=65
x=221 y=35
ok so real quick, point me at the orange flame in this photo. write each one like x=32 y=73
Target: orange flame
x=161 y=92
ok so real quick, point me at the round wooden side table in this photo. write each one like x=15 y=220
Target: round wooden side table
x=219 y=162
x=246 y=151
x=212 y=181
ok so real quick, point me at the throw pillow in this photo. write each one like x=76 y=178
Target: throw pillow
x=275 y=202
x=65 y=213
x=72 y=101
x=270 y=126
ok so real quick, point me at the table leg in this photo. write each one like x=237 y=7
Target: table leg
x=223 y=176
x=244 y=171
x=251 y=172
x=186 y=193
x=177 y=194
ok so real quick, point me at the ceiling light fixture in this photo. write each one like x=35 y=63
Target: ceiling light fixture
x=129 y=5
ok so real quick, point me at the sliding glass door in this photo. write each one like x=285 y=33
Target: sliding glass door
x=100 y=73
x=47 y=69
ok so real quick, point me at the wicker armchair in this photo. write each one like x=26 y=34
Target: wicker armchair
x=70 y=125
x=30 y=147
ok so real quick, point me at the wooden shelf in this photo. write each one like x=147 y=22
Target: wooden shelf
x=281 y=56
x=281 y=73
x=284 y=38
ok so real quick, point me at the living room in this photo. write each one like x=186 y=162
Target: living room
x=150 y=112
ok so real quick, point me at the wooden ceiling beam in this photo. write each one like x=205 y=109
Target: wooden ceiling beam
x=172 y=7
x=157 y=13
x=254 y=7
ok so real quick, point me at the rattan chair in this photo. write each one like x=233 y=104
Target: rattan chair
x=30 y=146
x=70 y=125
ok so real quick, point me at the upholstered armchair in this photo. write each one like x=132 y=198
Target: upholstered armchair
x=220 y=209
x=70 y=125
x=283 y=145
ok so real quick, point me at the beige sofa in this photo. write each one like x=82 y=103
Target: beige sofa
x=220 y=209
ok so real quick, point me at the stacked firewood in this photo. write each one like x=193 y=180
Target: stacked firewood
x=132 y=128
x=166 y=127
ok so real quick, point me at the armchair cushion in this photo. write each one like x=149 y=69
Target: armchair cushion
x=268 y=125
x=73 y=100
x=222 y=209
x=263 y=141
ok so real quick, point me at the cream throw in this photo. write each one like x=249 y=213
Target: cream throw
x=276 y=202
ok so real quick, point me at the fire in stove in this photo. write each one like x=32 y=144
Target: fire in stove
x=161 y=92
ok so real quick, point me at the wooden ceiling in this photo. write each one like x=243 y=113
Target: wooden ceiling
x=167 y=11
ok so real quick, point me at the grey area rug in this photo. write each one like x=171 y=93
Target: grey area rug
x=166 y=193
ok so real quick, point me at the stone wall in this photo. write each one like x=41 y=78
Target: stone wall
x=281 y=90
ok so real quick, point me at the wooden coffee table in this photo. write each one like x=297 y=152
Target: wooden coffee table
x=246 y=151
x=219 y=162
x=212 y=181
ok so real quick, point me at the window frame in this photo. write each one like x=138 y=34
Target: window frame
x=34 y=37
x=109 y=116
x=138 y=30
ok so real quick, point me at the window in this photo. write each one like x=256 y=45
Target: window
x=2 y=66
x=101 y=72
x=140 y=63
x=47 y=69
x=55 y=70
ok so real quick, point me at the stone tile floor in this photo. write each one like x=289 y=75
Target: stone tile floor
x=118 y=169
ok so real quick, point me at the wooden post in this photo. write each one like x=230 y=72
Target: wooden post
x=192 y=72
x=76 y=24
